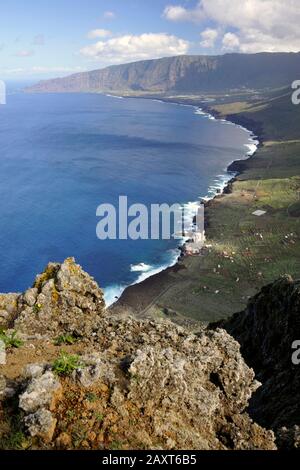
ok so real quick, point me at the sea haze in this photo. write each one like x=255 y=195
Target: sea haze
x=62 y=155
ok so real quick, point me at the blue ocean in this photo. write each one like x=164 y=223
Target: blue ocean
x=62 y=155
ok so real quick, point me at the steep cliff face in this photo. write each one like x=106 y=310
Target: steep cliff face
x=184 y=74
x=85 y=379
x=266 y=332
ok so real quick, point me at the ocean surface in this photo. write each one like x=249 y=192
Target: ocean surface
x=63 y=155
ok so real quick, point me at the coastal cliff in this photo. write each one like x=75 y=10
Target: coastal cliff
x=266 y=331
x=74 y=376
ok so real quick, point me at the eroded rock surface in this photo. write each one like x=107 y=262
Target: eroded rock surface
x=138 y=384
x=8 y=308
x=266 y=331
x=63 y=299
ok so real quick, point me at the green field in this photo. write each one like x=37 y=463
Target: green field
x=245 y=252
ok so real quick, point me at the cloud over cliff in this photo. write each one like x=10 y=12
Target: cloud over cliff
x=258 y=25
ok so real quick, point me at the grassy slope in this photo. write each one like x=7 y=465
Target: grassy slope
x=246 y=251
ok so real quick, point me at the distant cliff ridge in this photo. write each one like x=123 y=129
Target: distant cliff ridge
x=184 y=74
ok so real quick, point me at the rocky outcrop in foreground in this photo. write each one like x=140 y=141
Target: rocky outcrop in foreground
x=85 y=379
x=266 y=332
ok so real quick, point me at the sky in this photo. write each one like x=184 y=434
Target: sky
x=49 y=38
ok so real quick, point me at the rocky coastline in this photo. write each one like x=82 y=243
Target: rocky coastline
x=237 y=167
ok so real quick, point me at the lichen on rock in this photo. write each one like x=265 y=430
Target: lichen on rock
x=143 y=383
x=63 y=299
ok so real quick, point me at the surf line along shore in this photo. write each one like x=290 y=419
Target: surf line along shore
x=196 y=237
x=142 y=293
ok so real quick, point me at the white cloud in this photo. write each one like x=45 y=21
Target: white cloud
x=209 y=37
x=230 y=42
x=180 y=13
x=109 y=15
x=130 y=48
x=259 y=25
x=24 y=53
x=98 y=33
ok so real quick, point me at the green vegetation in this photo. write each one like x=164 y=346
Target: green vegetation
x=65 y=339
x=66 y=363
x=99 y=417
x=91 y=397
x=10 y=340
x=12 y=435
x=70 y=414
x=116 y=445
x=79 y=434
x=244 y=252
x=37 y=308
x=15 y=440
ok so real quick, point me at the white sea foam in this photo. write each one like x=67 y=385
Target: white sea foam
x=203 y=113
x=190 y=211
x=252 y=147
x=141 y=267
x=112 y=294
x=174 y=254
x=115 y=96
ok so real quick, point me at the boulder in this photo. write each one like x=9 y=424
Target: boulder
x=64 y=299
x=41 y=424
x=42 y=391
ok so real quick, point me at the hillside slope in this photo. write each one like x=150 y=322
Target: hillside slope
x=244 y=252
x=184 y=74
x=266 y=331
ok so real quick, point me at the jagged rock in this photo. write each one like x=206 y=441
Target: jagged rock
x=64 y=299
x=42 y=391
x=33 y=371
x=2 y=386
x=96 y=368
x=30 y=296
x=200 y=388
x=41 y=424
x=266 y=331
x=63 y=441
x=181 y=390
x=2 y=353
x=288 y=439
x=38 y=400
x=192 y=389
x=8 y=309
x=6 y=388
